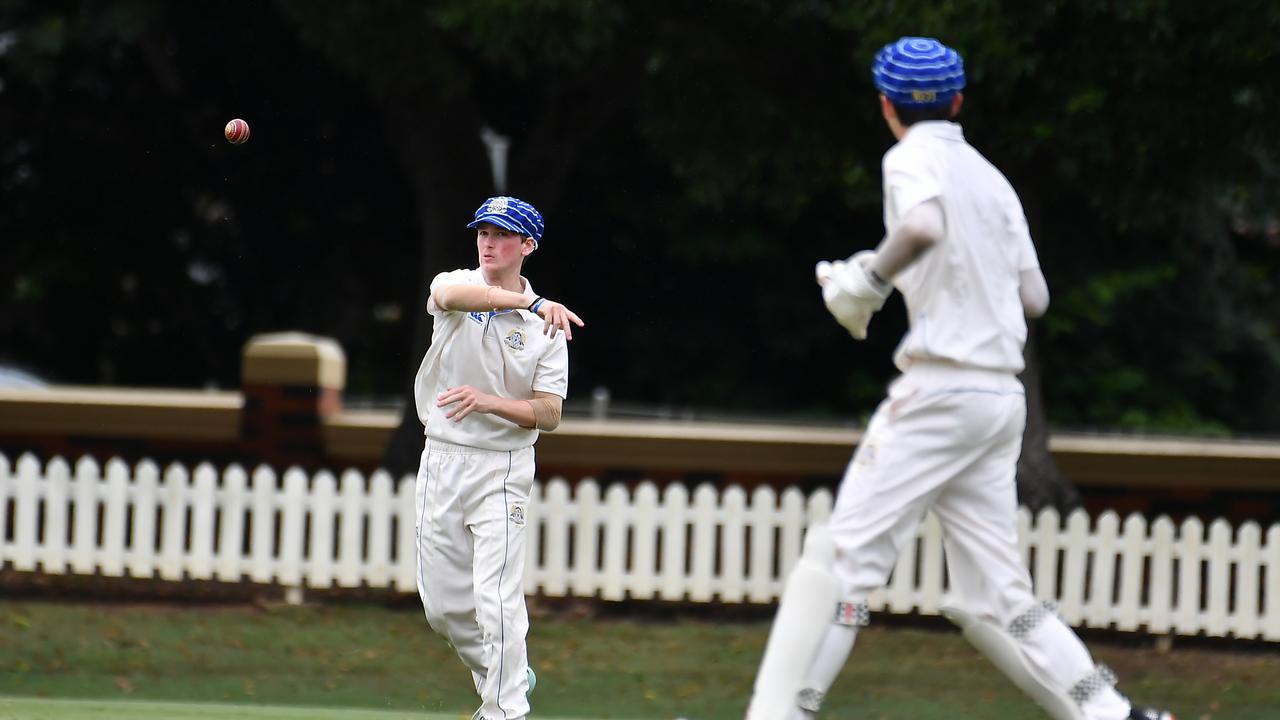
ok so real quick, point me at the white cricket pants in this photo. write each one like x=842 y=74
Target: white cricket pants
x=471 y=509
x=947 y=439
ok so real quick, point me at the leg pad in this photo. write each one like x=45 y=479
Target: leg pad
x=1005 y=652
x=804 y=614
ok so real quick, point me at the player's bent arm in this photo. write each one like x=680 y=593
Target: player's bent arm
x=1033 y=292
x=542 y=412
x=517 y=411
x=923 y=227
x=546 y=409
x=478 y=298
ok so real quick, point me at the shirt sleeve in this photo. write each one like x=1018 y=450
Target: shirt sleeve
x=908 y=180
x=552 y=374
x=454 y=277
x=1027 y=259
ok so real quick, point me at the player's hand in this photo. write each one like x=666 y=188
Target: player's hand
x=825 y=270
x=557 y=317
x=465 y=400
x=849 y=294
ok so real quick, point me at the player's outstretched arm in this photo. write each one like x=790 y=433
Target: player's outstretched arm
x=483 y=298
x=465 y=297
x=855 y=289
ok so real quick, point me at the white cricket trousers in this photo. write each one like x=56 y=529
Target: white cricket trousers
x=947 y=439
x=471 y=509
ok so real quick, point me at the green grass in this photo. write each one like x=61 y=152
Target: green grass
x=44 y=709
x=370 y=658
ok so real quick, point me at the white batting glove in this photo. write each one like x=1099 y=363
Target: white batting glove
x=849 y=292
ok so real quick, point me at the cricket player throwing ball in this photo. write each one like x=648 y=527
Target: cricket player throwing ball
x=495 y=374
x=948 y=435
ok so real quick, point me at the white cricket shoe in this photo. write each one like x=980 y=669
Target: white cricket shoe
x=1149 y=714
x=533 y=682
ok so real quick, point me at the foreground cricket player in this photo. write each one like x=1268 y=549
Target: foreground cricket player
x=495 y=374
x=948 y=435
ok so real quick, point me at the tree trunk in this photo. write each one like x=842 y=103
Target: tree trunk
x=1040 y=483
x=448 y=172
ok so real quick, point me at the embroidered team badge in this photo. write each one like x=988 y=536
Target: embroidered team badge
x=515 y=340
x=516 y=516
x=498 y=206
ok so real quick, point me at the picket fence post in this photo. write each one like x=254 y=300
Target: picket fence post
x=406 y=541
x=1248 y=562
x=200 y=562
x=51 y=553
x=644 y=549
x=1271 y=606
x=352 y=517
x=1187 y=616
x=228 y=552
x=115 y=510
x=146 y=502
x=675 y=509
x=1160 y=585
x=1133 y=542
x=613 y=553
x=555 y=518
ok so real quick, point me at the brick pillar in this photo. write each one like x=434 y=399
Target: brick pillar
x=291 y=383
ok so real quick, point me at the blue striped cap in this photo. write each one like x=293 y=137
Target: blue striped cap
x=918 y=71
x=512 y=214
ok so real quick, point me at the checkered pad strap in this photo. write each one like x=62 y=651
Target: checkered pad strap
x=1022 y=625
x=809 y=700
x=857 y=614
x=1099 y=678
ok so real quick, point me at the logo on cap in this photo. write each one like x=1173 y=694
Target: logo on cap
x=498 y=206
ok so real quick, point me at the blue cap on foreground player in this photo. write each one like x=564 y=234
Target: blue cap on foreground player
x=511 y=214
x=918 y=72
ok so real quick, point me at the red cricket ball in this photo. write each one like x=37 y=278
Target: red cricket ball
x=237 y=131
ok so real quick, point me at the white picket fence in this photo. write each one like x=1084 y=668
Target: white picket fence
x=323 y=531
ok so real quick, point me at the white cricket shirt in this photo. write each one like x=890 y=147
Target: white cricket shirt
x=961 y=295
x=504 y=354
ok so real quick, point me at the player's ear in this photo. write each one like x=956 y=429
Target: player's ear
x=886 y=109
x=527 y=246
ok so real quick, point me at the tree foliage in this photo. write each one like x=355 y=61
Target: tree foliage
x=693 y=161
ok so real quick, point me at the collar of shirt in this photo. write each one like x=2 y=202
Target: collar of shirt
x=941 y=129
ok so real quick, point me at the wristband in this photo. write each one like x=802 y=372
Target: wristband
x=537 y=303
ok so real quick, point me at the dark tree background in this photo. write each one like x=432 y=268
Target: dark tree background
x=693 y=161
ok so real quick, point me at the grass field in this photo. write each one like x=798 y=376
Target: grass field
x=45 y=709
x=352 y=662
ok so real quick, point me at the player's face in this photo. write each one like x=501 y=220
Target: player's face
x=500 y=249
